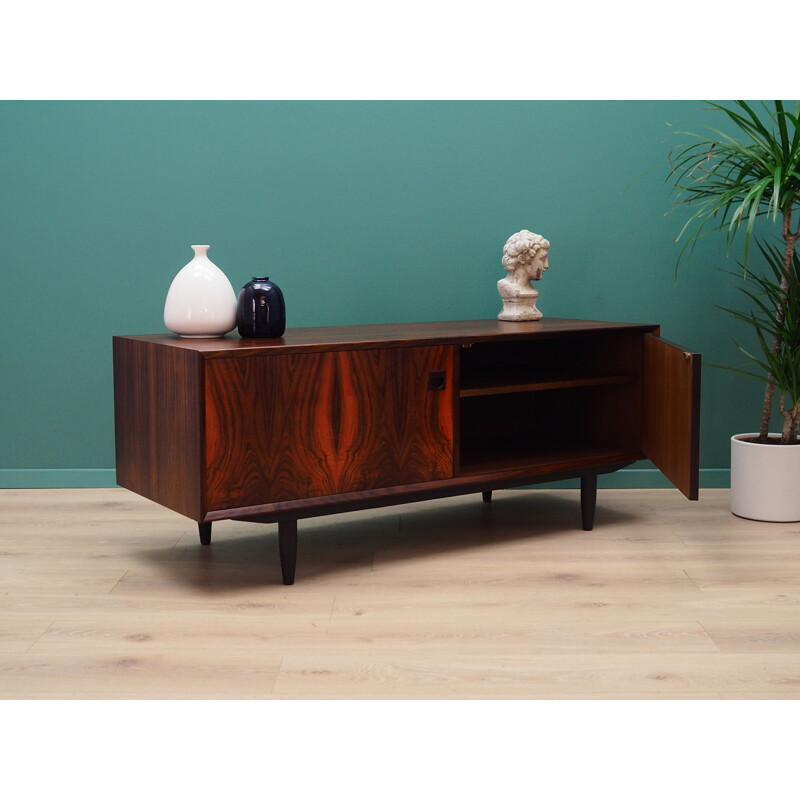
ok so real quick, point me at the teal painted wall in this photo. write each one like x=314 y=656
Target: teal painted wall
x=362 y=212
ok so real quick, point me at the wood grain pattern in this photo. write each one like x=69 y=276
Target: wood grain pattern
x=104 y=594
x=158 y=407
x=671 y=408
x=290 y=427
x=354 y=337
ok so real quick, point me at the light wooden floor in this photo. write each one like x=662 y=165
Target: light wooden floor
x=106 y=595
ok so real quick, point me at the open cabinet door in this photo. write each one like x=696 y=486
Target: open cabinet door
x=671 y=416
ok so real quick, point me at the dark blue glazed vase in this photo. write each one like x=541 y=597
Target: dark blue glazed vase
x=260 y=310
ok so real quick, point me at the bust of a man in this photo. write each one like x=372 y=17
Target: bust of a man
x=525 y=260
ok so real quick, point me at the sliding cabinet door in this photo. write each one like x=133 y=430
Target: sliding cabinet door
x=287 y=427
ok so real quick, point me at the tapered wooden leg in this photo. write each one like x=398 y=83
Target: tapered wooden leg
x=205 y=532
x=588 y=499
x=287 y=547
x=487 y=497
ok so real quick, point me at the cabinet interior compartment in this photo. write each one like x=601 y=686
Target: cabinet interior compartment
x=536 y=403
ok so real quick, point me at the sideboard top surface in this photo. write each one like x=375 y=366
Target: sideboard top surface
x=389 y=335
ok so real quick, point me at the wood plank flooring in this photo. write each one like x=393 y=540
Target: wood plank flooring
x=106 y=595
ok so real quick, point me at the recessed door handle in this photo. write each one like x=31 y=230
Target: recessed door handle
x=437 y=380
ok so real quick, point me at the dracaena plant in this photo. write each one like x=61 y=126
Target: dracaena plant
x=775 y=317
x=727 y=181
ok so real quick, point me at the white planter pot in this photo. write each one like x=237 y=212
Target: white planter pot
x=765 y=480
x=201 y=301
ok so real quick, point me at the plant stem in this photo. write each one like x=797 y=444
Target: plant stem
x=788 y=254
x=766 y=412
x=790 y=420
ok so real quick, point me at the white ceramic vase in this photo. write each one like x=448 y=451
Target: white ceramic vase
x=765 y=480
x=201 y=301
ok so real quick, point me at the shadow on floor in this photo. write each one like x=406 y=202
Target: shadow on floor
x=245 y=554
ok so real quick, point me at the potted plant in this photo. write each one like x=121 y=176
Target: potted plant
x=728 y=182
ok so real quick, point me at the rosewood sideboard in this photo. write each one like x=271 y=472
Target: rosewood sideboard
x=336 y=419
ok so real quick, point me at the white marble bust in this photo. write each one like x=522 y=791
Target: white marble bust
x=525 y=260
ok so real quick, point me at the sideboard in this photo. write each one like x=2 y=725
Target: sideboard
x=336 y=419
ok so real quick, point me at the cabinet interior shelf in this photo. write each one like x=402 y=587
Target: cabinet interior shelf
x=485 y=454
x=506 y=382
